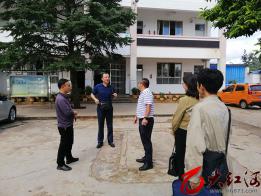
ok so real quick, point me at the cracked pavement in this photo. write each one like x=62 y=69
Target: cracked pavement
x=28 y=159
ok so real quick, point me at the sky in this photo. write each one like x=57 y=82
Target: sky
x=235 y=47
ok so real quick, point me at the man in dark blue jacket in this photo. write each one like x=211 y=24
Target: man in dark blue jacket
x=102 y=95
x=65 y=118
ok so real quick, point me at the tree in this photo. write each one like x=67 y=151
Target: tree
x=238 y=18
x=62 y=34
x=252 y=61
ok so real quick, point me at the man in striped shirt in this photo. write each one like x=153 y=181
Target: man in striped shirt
x=144 y=114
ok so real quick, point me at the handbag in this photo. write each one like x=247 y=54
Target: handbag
x=172 y=170
x=215 y=168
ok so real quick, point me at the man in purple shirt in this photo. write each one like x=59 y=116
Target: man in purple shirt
x=65 y=118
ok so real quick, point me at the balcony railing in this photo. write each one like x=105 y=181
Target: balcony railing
x=177 y=41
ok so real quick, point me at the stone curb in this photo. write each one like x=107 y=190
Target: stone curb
x=82 y=117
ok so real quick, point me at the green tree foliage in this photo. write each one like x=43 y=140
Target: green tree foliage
x=237 y=18
x=62 y=34
x=252 y=61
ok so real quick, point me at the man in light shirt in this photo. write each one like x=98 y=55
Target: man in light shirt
x=208 y=124
x=145 y=116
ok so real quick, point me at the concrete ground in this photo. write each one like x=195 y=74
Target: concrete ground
x=28 y=151
x=250 y=116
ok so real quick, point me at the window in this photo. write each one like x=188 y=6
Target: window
x=229 y=89
x=170 y=27
x=200 y=29
x=169 y=73
x=54 y=79
x=255 y=88
x=140 y=27
x=197 y=68
x=139 y=67
x=178 y=28
x=240 y=88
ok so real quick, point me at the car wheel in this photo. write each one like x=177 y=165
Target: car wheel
x=243 y=104
x=12 y=115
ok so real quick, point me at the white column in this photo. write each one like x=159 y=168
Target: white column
x=133 y=50
x=208 y=63
x=222 y=59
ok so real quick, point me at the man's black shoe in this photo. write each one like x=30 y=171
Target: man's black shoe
x=112 y=145
x=99 y=145
x=72 y=160
x=142 y=160
x=64 y=168
x=146 y=166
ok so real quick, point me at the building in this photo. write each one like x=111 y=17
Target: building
x=170 y=40
x=254 y=77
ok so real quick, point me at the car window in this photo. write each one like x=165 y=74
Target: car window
x=229 y=89
x=255 y=88
x=3 y=98
x=240 y=88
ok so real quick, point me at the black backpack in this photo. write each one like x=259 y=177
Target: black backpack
x=215 y=168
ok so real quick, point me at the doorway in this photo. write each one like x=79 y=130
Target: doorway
x=139 y=73
x=117 y=74
x=81 y=80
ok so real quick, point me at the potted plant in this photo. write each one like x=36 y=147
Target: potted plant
x=88 y=91
x=135 y=92
x=162 y=98
x=19 y=100
x=42 y=99
x=157 y=96
x=174 y=98
x=53 y=97
x=31 y=100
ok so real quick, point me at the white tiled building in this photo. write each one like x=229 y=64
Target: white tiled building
x=169 y=40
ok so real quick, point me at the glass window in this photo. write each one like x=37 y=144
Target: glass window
x=170 y=27
x=177 y=70
x=166 y=30
x=169 y=73
x=178 y=28
x=229 y=89
x=140 y=27
x=200 y=29
x=255 y=88
x=240 y=88
x=54 y=79
x=165 y=70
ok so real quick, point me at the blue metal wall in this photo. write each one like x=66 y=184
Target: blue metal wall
x=235 y=72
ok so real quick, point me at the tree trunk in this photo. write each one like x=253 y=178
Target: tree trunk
x=75 y=90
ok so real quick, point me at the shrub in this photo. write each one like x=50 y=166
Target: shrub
x=88 y=90
x=135 y=91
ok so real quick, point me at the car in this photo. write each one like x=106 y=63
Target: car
x=244 y=95
x=7 y=109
